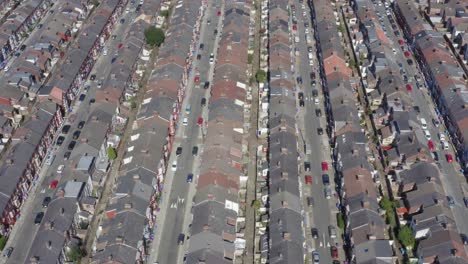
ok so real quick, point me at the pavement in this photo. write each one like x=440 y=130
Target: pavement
x=175 y=215
x=25 y=230
x=320 y=150
x=452 y=179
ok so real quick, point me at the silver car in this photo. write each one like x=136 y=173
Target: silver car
x=316 y=257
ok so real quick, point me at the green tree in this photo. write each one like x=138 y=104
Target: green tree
x=386 y=203
x=340 y=221
x=133 y=104
x=164 y=13
x=3 y=241
x=154 y=36
x=406 y=237
x=250 y=58
x=261 y=76
x=111 y=153
x=256 y=204
x=75 y=254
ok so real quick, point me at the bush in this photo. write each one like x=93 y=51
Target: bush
x=3 y=241
x=250 y=58
x=406 y=237
x=261 y=76
x=75 y=254
x=154 y=36
x=111 y=153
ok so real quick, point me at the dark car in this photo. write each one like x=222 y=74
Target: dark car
x=67 y=155
x=318 y=112
x=8 y=252
x=82 y=97
x=416 y=108
x=202 y=46
x=190 y=177
x=179 y=151
x=299 y=79
x=301 y=103
x=325 y=179
x=113 y=60
x=306 y=24
x=314 y=93
x=72 y=144
x=60 y=140
x=312 y=75
x=450 y=201
x=306 y=166
x=435 y=156
x=76 y=134
x=300 y=95
x=181 y=239
x=92 y=101
x=65 y=129
x=203 y=102
x=313 y=83
x=38 y=218
x=206 y=85
x=310 y=201
x=215 y=32
x=397 y=33
x=198 y=56
x=464 y=239
x=81 y=124
x=315 y=233
x=46 y=201
x=23 y=47
x=122 y=20
x=195 y=151
x=320 y=131
x=93 y=77
x=465 y=200
x=409 y=61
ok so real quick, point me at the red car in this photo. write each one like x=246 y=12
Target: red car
x=334 y=252
x=219 y=13
x=53 y=184
x=120 y=45
x=449 y=158
x=324 y=166
x=294 y=27
x=401 y=42
x=200 y=121
x=409 y=88
x=308 y=179
x=430 y=145
x=197 y=79
x=407 y=54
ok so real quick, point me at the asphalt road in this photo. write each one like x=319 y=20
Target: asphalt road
x=320 y=149
x=178 y=212
x=452 y=180
x=25 y=230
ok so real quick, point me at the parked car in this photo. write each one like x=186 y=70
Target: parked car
x=324 y=166
x=310 y=201
x=306 y=166
x=430 y=145
x=72 y=144
x=67 y=155
x=449 y=158
x=315 y=233
x=174 y=165
x=203 y=101
x=320 y=131
x=200 y=121
x=197 y=79
x=179 y=151
x=60 y=169
x=465 y=201
x=327 y=192
x=195 y=151
x=8 y=252
x=314 y=93
x=76 y=134
x=450 y=201
x=332 y=231
x=181 y=239
x=65 y=129
x=81 y=124
x=190 y=177
x=325 y=179
x=316 y=257
x=334 y=252
x=206 y=85
x=308 y=179
x=49 y=159
x=38 y=218
x=46 y=201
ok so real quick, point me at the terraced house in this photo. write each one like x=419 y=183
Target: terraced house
x=215 y=226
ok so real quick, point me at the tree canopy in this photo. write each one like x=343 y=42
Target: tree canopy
x=154 y=36
x=406 y=237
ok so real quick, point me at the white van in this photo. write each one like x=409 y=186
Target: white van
x=427 y=134
x=423 y=123
x=185 y=122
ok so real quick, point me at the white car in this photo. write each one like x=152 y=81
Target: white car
x=60 y=169
x=49 y=159
x=128 y=10
x=442 y=137
x=174 y=165
x=316 y=101
x=307 y=31
x=7 y=68
x=211 y=58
